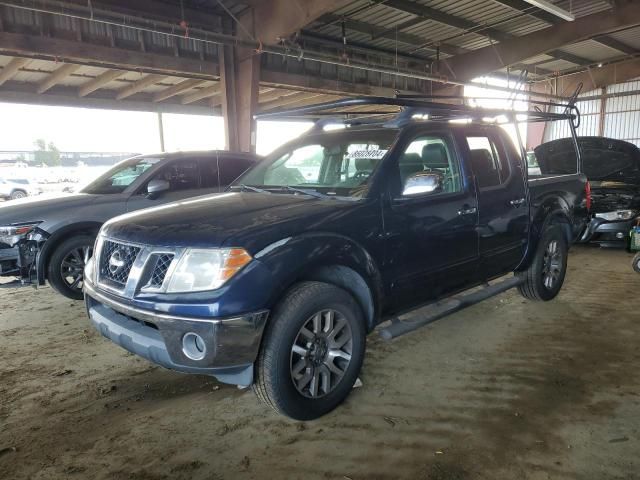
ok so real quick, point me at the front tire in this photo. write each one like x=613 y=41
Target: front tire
x=545 y=276
x=65 y=271
x=17 y=194
x=636 y=263
x=312 y=351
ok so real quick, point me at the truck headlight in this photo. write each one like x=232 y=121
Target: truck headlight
x=206 y=269
x=12 y=234
x=617 y=215
x=91 y=267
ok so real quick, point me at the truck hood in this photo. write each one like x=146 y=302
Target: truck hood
x=610 y=196
x=250 y=220
x=42 y=207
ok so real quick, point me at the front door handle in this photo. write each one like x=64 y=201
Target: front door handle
x=517 y=202
x=467 y=210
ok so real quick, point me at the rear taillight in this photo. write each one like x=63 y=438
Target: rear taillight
x=587 y=192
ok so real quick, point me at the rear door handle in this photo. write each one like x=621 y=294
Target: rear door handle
x=467 y=210
x=518 y=202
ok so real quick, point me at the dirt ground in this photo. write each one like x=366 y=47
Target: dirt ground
x=504 y=390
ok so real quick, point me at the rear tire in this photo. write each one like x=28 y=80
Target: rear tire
x=312 y=351
x=16 y=194
x=65 y=271
x=636 y=263
x=545 y=276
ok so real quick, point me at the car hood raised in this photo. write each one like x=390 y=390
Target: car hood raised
x=227 y=219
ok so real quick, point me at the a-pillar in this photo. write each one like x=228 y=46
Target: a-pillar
x=240 y=78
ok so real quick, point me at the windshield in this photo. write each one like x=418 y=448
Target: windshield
x=121 y=176
x=336 y=163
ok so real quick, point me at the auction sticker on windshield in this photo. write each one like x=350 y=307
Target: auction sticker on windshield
x=373 y=154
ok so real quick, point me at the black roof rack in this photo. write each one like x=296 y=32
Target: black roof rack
x=427 y=107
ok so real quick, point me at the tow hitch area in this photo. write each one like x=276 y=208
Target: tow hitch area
x=446 y=307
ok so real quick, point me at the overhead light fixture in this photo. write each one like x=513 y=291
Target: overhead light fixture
x=551 y=8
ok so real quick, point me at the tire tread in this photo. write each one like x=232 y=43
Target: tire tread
x=266 y=376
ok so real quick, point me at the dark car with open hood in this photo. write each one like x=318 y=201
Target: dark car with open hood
x=613 y=169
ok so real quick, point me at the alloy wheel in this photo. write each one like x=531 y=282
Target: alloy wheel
x=321 y=353
x=552 y=265
x=72 y=267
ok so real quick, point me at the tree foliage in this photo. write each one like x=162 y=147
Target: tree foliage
x=47 y=154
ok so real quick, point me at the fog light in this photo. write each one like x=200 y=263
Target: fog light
x=193 y=346
x=620 y=235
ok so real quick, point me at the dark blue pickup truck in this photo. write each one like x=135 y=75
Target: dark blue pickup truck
x=277 y=282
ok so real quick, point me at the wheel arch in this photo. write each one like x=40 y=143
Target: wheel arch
x=349 y=280
x=56 y=238
x=554 y=211
x=329 y=258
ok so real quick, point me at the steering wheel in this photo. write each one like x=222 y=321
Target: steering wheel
x=362 y=175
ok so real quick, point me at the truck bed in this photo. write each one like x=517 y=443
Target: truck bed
x=546 y=191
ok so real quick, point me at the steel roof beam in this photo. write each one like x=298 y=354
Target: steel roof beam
x=140 y=85
x=177 y=89
x=359 y=47
x=378 y=32
x=296 y=99
x=429 y=13
x=11 y=68
x=280 y=18
x=494 y=57
x=205 y=92
x=611 y=42
x=57 y=76
x=99 y=82
x=99 y=55
x=19 y=92
x=594 y=78
x=526 y=8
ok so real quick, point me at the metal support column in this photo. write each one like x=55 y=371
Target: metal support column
x=161 y=132
x=240 y=77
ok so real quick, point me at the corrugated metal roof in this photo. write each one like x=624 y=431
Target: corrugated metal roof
x=483 y=14
x=591 y=50
x=630 y=37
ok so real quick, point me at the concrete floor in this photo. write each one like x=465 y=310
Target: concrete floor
x=505 y=390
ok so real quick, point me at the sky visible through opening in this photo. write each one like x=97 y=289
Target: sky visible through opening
x=91 y=130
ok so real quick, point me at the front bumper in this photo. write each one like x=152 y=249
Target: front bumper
x=9 y=261
x=232 y=344
x=608 y=234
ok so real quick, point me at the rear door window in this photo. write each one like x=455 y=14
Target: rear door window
x=232 y=168
x=489 y=164
x=209 y=173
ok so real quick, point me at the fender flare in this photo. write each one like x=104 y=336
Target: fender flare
x=328 y=257
x=553 y=211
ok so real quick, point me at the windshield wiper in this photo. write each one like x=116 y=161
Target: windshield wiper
x=304 y=191
x=251 y=188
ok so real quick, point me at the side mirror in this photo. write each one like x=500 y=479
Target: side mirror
x=420 y=183
x=156 y=187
